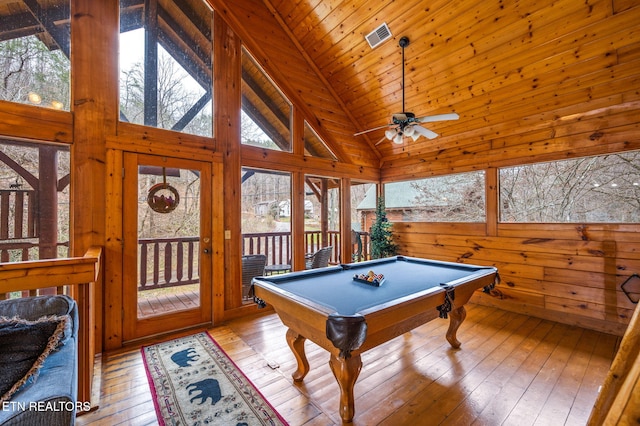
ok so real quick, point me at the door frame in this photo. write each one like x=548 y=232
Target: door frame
x=134 y=328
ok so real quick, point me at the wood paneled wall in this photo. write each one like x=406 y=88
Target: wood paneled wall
x=569 y=273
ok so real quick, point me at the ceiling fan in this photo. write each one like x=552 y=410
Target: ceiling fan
x=406 y=124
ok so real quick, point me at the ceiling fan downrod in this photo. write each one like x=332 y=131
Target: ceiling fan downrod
x=404 y=42
x=406 y=124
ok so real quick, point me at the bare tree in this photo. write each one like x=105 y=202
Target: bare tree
x=452 y=198
x=591 y=189
x=28 y=67
x=177 y=93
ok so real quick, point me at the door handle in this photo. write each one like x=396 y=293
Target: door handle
x=206 y=251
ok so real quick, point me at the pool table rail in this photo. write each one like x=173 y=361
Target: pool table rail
x=382 y=322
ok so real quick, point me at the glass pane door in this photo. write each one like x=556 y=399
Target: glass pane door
x=164 y=234
x=168 y=240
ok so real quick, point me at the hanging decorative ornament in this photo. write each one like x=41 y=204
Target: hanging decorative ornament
x=162 y=197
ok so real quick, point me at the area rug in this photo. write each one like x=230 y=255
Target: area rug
x=194 y=382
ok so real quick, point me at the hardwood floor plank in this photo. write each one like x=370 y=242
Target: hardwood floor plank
x=503 y=402
x=489 y=375
x=529 y=407
x=559 y=403
x=447 y=391
x=598 y=366
x=511 y=369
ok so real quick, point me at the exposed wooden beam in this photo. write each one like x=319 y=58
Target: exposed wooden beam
x=21 y=171
x=55 y=21
x=151 y=63
x=265 y=125
x=19 y=25
x=193 y=111
x=268 y=102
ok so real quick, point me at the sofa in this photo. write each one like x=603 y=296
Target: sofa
x=46 y=394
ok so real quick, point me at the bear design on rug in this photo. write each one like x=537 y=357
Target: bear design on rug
x=183 y=358
x=208 y=388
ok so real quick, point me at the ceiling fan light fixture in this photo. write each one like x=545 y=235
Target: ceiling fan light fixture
x=390 y=133
x=405 y=123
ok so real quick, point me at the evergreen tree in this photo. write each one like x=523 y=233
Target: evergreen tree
x=381 y=238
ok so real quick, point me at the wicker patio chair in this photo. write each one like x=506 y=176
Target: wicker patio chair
x=319 y=259
x=252 y=266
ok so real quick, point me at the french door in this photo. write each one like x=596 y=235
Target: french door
x=167 y=244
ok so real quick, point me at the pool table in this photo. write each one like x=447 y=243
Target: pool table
x=348 y=316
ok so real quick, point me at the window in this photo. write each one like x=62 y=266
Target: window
x=322 y=215
x=363 y=199
x=34 y=201
x=266 y=215
x=451 y=198
x=314 y=146
x=165 y=67
x=266 y=113
x=34 y=54
x=603 y=189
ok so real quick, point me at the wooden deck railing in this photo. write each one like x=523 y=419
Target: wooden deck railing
x=172 y=262
x=168 y=262
x=277 y=245
x=22 y=251
x=22 y=222
x=75 y=276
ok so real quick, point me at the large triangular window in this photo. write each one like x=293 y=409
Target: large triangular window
x=314 y=146
x=266 y=112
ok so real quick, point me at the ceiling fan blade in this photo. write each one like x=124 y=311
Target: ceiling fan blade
x=440 y=117
x=384 y=138
x=371 y=130
x=425 y=132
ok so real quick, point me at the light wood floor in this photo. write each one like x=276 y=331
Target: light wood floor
x=512 y=369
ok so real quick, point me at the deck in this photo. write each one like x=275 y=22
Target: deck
x=167 y=300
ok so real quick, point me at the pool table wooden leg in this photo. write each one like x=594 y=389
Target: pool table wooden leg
x=296 y=343
x=346 y=371
x=456 y=316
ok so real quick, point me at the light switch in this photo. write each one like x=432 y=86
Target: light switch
x=227 y=234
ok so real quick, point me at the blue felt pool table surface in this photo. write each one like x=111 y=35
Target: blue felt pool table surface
x=335 y=288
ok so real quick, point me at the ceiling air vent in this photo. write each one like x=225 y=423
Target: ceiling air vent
x=378 y=35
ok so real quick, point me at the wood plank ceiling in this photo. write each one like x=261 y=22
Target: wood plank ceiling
x=507 y=68
x=518 y=73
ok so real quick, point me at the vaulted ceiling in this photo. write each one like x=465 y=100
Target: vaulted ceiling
x=547 y=78
x=510 y=69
